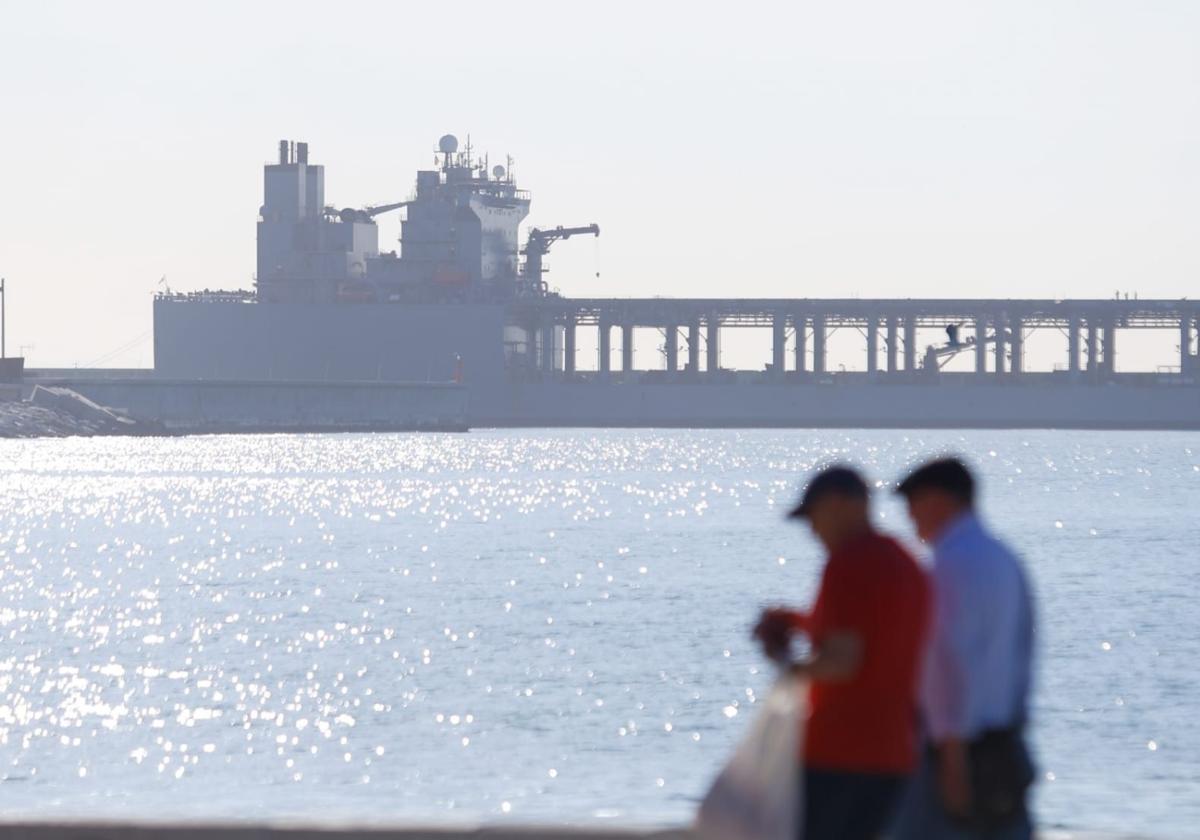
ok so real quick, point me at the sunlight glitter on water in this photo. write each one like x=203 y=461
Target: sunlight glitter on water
x=414 y=627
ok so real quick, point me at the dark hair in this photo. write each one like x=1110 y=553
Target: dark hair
x=950 y=475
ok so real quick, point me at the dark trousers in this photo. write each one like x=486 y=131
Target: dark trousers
x=922 y=817
x=848 y=806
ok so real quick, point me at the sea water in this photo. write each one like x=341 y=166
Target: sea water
x=535 y=626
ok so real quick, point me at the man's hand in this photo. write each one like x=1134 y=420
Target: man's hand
x=774 y=630
x=953 y=778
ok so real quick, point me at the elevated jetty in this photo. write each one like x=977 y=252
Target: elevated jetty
x=993 y=332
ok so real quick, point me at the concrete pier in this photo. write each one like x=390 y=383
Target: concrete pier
x=569 y=347
x=818 y=327
x=892 y=349
x=872 y=344
x=713 y=344
x=779 y=343
x=672 y=348
x=999 y=346
x=605 y=364
x=1189 y=346
x=693 y=347
x=548 y=333
x=910 y=344
x=1073 y=345
x=980 y=344
x=1092 y=347
x=1109 y=355
x=800 y=347
x=1017 y=337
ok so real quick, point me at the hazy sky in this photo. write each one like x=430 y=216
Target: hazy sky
x=1018 y=148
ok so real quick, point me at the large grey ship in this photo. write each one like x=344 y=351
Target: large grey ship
x=465 y=300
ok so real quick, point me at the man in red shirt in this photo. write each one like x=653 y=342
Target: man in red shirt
x=867 y=631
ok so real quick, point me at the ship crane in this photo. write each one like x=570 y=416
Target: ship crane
x=350 y=214
x=372 y=212
x=538 y=245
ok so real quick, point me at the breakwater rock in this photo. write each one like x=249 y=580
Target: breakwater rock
x=61 y=412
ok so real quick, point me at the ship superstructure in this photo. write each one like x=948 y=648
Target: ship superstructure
x=459 y=237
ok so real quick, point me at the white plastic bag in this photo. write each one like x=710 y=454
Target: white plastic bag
x=757 y=795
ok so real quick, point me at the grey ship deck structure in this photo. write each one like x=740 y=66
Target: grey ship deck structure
x=458 y=304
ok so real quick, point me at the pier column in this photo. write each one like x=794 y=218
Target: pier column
x=1073 y=344
x=998 y=327
x=1091 y=346
x=892 y=334
x=1185 y=343
x=713 y=344
x=626 y=348
x=672 y=348
x=605 y=360
x=980 y=344
x=1110 y=348
x=693 y=347
x=548 y=336
x=778 y=343
x=818 y=323
x=800 y=326
x=569 y=346
x=910 y=343
x=872 y=344
x=1018 y=344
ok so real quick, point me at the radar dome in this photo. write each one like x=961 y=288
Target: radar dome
x=448 y=145
x=498 y=172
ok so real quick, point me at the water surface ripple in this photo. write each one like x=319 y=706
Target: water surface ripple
x=532 y=625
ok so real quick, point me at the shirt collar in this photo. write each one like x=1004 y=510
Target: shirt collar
x=963 y=524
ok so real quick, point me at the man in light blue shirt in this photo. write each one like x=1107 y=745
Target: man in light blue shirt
x=974 y=779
